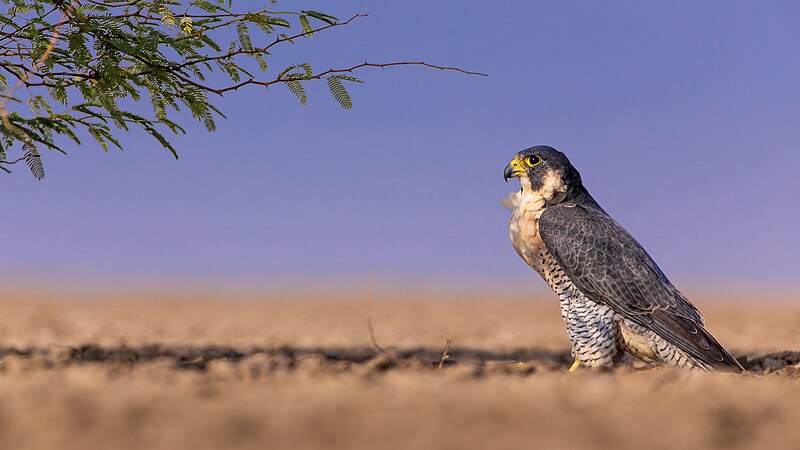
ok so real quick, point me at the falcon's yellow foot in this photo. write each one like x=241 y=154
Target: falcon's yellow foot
x=574 y=366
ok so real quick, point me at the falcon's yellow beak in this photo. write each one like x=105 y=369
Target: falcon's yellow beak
x=513 y=170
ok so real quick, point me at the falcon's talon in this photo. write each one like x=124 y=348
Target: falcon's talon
x=574 y=366
x=614 y=297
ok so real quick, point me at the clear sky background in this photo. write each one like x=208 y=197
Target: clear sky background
x=683 y=118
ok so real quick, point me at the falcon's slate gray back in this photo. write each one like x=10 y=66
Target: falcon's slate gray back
x=614 y=298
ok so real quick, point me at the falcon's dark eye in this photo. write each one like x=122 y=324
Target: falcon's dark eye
x=533 y=161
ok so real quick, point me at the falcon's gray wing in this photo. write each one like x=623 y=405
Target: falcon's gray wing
x=608 y=266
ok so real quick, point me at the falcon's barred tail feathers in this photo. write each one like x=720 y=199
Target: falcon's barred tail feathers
x=614 y=297
x=696 y=341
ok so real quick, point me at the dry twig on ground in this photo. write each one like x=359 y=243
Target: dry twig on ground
x=368 y=313
x=445 y=355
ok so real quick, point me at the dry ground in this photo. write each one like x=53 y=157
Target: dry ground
x=193 y=371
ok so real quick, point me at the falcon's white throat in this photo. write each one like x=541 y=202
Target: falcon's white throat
x=553 y=191
x=527 y=206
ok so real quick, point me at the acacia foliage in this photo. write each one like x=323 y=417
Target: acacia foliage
x=74 y=68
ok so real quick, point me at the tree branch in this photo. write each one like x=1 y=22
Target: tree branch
x=13 y=162
x=320 y=75
x=134 y=48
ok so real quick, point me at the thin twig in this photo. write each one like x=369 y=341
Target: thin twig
x=320 y=75
x=13 y=162
x=445 y=355
x=368 y=313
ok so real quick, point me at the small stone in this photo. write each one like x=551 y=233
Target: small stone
x=224 y=370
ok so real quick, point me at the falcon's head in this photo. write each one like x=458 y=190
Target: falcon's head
x=545 y=170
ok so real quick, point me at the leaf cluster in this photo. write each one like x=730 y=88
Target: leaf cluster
x=70 y=69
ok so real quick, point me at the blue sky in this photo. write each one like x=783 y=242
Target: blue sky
x=683 y=118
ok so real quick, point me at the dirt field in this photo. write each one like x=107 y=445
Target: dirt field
x=188 y=371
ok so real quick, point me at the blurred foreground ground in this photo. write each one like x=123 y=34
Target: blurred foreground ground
x=193 y=371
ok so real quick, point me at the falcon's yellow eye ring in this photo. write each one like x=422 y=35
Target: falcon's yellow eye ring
x=533 y=161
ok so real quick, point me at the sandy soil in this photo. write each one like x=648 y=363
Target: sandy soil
x=192 y=371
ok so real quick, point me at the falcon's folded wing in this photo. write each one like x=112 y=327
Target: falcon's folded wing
x=608 y=266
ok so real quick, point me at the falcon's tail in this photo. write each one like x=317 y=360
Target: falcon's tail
x=694 y=340
x=728 y=362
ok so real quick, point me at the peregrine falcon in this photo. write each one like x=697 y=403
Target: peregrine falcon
x=614 y=298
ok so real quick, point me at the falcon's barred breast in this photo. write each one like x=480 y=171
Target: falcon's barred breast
x=614 y=298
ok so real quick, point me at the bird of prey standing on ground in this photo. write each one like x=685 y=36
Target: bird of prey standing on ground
x=614 y=298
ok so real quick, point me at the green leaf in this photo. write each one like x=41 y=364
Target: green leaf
x=208 y=121
x=206 y=6
x=297 y=75
x=298 y=90
x=98 y=136
x=344 y=77
x=153 y=132
x=244 y=36
x=320 y=16
x=33 y=160
x=339 y=92
x=59 y=93
x=306 y=26
x=262 y=63
x=262 y=22
x=279 y=21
